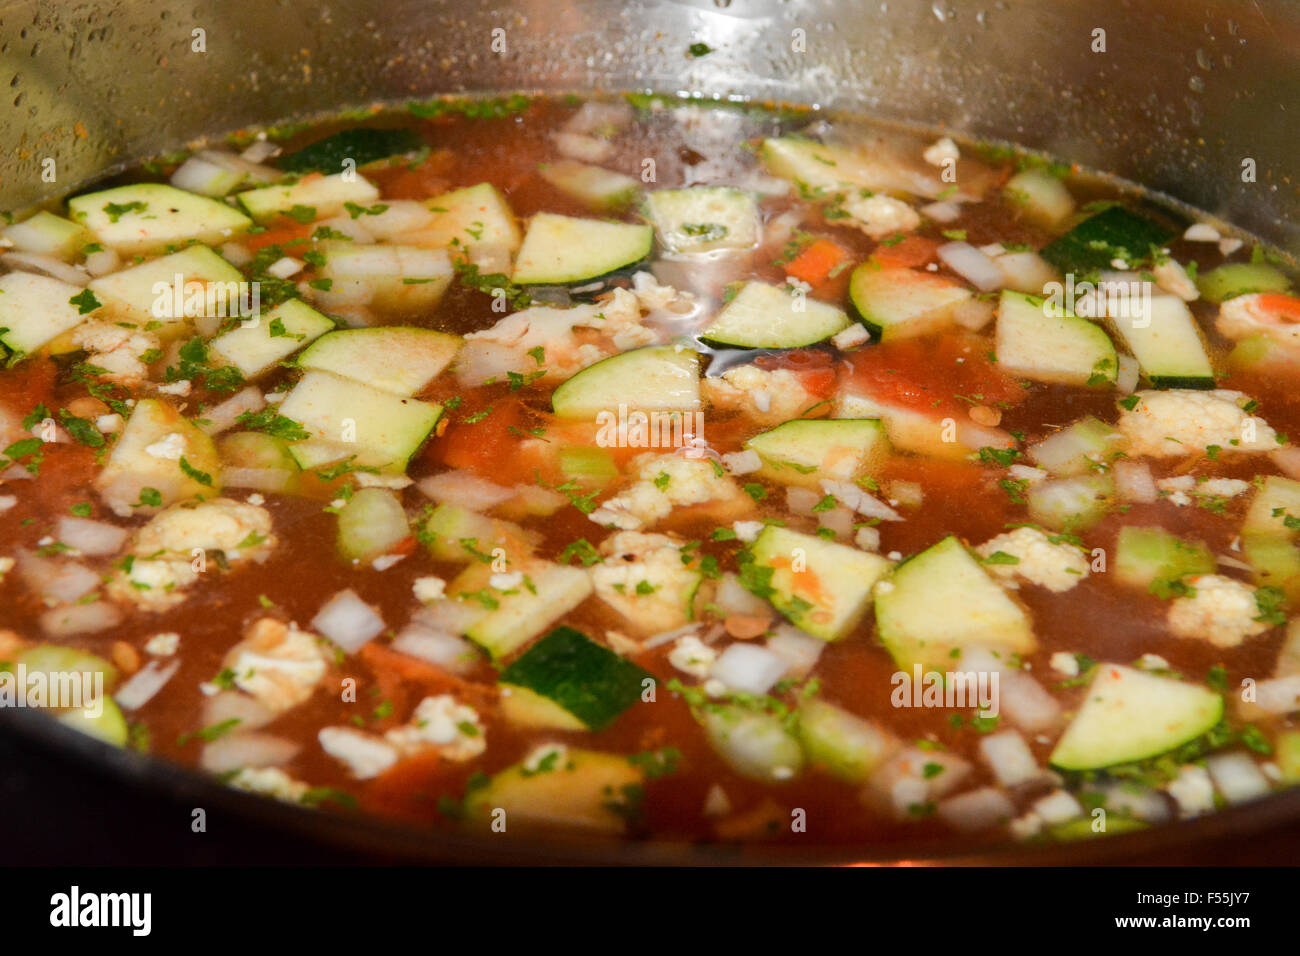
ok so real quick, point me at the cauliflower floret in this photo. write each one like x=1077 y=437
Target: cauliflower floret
x=644 y=579
x=116 y=349
x=1221 y=611
x=654 y=296
x=270 y=782
x=1169 y=424
x=941 y=151
x=1181 y=489
x=881 y=216
x=1173 y=278
x=442 y=722
x=1057 y=567
x=161 y=562
x=663 y=483
x=767 y=397
x=365 y=755
x=241 y=531
x=691 y=655
x=277 y=664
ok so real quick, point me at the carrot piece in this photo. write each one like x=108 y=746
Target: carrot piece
x=913 y=252
x=816 y=263
x=283 y=231
x=1283 y=306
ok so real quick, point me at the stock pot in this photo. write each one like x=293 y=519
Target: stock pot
x=1194 y=101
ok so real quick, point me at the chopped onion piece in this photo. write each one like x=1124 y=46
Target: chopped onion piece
x=61 y=582
x=942 y=211
x=80 y=619
x=221 y=417
x=1133 y=481
x=348 y=621
x=144 y=684
x=1026 y=704
x=439 y=648
x=976 y=809
x=1281 y=695
x=91 y=538
x=1236 y=776
x=250 y=749
x=1010 y=758
x=749 y=668
x=972 y=265
x=46 y=265
x=232 y=705
x=465 y=489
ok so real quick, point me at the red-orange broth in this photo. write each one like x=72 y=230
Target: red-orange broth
x=944 y=369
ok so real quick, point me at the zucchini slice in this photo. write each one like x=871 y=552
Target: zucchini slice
x=321 y=196
x=109 y=725
x=805 y=451
x=256 y=349
x=580 y=789
x=704 y=218
x=131 y=293
x=824 y=588
x=586 y=681
x=916 y=431
x=144 y=217
x=843 y=744
x=371 y=524
x=1078 y=448
x=941 y=601
x=1144 y=555
x=763 y=316
x=754 y=743
x=1040 y=197
x=130 y=469
x=448 y=528
x=1167 y=345
x=259 y=461
x=658 y=378
x=473 y=216
x=394 y=358
x=35 y=310
x=896 y=303
x=1043 y=344
x=347 y=418
x=395 y=277
x=46 y=234
x=1113 y=233
x=601 y=189
x=361 y=146
x=1241 y=278
x=511 y=618
x=558 y=250
x=1131 y=715
x=1277 y=499
x=1071 y=504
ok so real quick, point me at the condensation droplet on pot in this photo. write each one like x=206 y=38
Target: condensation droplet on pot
x=1196 y=84
x=1203 y=60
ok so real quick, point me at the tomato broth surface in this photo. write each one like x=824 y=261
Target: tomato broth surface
x=641 y=468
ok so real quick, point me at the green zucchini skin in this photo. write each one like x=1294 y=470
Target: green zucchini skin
x=1111 y=233
x=362 y=146
x=583 y=677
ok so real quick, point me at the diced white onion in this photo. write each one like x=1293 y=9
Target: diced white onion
x=942 y=211
x=974 y=314
x=60 y=581
x=259 y=151
x=1126 y=378
x=237 y=750
x=1141 y=803
x=221 y=417
x=976 y=809
x=1025 y=703
x=1058 y=807
x=465 y=489
x=1236 y=776
x=1280 y=695
x=749 y=668
x=144 y=684
x=971 y=264
x=1009 y=757
x=1025 y=271
x=1133 y=481
x=348 y=621
x=103 y=262
x=46 y=265
x=732 y=597
x=91 y=538
x=80 y=619
x=800 y=651
x=273 y=480
x=1287 y=460
x=439 y=648
x=232 y=705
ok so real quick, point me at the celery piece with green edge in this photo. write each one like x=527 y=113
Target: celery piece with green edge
x=1113 y=233
x=567 y=674
x=362 y=146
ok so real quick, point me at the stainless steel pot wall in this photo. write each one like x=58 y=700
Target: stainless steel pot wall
x=1188 y=98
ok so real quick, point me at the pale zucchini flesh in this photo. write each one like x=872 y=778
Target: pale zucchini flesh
x=763 y=316
x=258 y=346
x=658 y=378
x=558 y=250
x=1043 y=344
x=145 y=217
x=397 y=359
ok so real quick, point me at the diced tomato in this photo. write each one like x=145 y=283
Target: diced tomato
x=913 y=252
x=405 y=791
x=490 y=446
x=815 y=264
x=942 y=375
